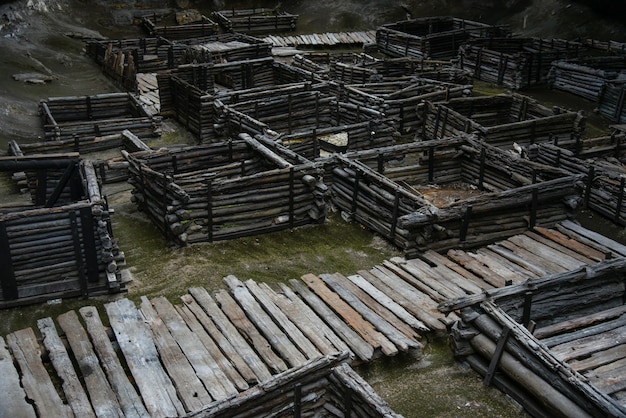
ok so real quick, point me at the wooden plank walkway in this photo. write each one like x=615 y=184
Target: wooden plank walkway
x=206 y=347
x=322 y=40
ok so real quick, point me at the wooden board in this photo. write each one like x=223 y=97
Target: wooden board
x=12 y=395
x=156 y=388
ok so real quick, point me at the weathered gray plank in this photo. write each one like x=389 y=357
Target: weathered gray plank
x=129 y=400
x=276 y=337
x=190 y=389
x=135 y=341
x=35 y=379
x=72 y=388
x=231 y=333
x=595 y=237
x=214 y=379
x=12 y=395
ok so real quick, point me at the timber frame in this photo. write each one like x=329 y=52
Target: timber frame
x=62 y=245
x=256 y=20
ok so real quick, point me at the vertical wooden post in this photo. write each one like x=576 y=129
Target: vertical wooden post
x=7 y=275
x=590 y=175
x=297 y=400
x=355 y=192
x=620 y=200
x=528 y=301
x=533 y=209
x=481 y=171
x=89 y=244
x=431 y=164
x=394 y=216
x=209 y=192
x=80 y=265
x=497 y=355
x=465 y=224
x=291 y=197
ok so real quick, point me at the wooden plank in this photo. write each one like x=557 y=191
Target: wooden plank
x=476 y=267
x=615 y=246
x=349 y=315
x=590 y=330
x=541 y=250
x=388 y=303
x=560 y=248
x=441 y=260
x=611 y=380
x=35 y=379
x=599 y=358
x=239 y=319
x=214 y=379
x=459 y=281
x=264 y=323
x=496 y=266
x=102 y=396
x=231 y=355
x=419 y=277
x=572 y=244
x=520 y=273
x=574 y=323
x=190 y=389
x=129 y=400
x=228 y=329
x=352 y=339
x=549 y=266
x=72 y=388
x=303 y=343
x=142 y=358
x=223 y=363
x=291 y=302
x=584 y=347
x=342 y=286
x=12 y=395
x=515 y=258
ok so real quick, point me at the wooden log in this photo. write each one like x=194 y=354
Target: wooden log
x=130 y=402
x=12 y=395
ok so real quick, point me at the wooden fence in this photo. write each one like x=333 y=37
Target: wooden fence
x=500 y=120
x=447 y=193
x=586 y=77
x=431 y=37
x=203 y=27
x=81 y=118
x=611 y=101
x=256 y=20
x=225 y=190
x=551 y=342
x=62 y=245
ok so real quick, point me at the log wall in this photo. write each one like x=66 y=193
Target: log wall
x=257 y=20
x=204 y=27
x=225 y=190
x=586 y=77
x=611 y=101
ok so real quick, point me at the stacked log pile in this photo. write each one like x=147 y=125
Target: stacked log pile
x=227 y=47
x=534 y=340
x=586 y=77
x=85 y=117
x=500 y=120
x=431 y=37
x=515 y=195
x=611 y=101
x=256 y=20
x=58 y=248
x=398 y=100
x=515 y=63
x=202 y=27
x=225 y=190
x=604 y=182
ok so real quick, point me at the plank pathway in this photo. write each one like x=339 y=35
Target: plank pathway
x=324 y=39
x=207 y=347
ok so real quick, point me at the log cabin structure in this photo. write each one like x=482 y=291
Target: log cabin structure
x=437 y=38
x=447 y=193
x=181 y=25
x=515 y=63
x=553 y=343
x=500 y=120
x=226 y=190
x=60 y=245
x=256 y=20
x=82 y=118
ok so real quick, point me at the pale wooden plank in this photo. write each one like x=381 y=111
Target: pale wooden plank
x=615 y=246
x=190 y=389
x=599 y=358
x=574 y=323
x=238 y=317
x=352 y=339
x=520 y=261
x=228 y=329
x=220 y=359
x=291 y=330
x=72 y=388
x=572 y=244
x=551 y=267
x=140 y=353
x=520 y=274
x=421 y=278
x=459 y=271
x=583 y=347
x=35 y=379
x=349 y=315
x=214 y=379
x=560 y=248
x=388 y=303
x=318 y=326
x=542 y=250
x=12 y=395
x=277 y=338
x=476 y=267
x=496 y=264
x=392 y=334
x=130 y=402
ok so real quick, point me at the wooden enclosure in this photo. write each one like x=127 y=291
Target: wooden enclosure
x=611 y=101
x=432 y=37
x=448 y=193
x=553 y=343
x=398 y=100
x=257 y=20
x=604 y=181
x=180 y=26
x=586 y=77
x=226 y=190
x=515 y=63
x=62 y=244
x=500 y=120
x=82 y=118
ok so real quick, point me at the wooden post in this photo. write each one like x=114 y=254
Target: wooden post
x=620 y=200
x=80 y=265
x=465 y=224
x=355 y=192
x=209 y=192
x=528 y=301
x=481 y=172
x=297 y=400
x=533 y=209
x=590 y=176
x=497 y=355
x=40 y=192
x=89 y=243
x=70 y=171
x=7 y=275
x=431 y=164
x=394 y=216
x=291 y=197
